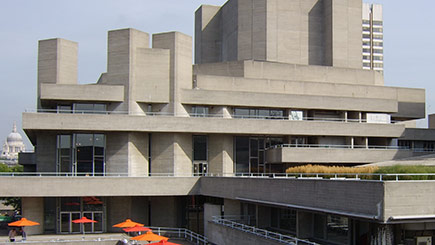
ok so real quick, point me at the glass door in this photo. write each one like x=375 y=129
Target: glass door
x=66 y=224
x=94 y=227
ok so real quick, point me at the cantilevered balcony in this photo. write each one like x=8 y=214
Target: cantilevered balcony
x=175 y=124
x=316 y=153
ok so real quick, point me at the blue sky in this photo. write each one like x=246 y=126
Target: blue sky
x=409 y=34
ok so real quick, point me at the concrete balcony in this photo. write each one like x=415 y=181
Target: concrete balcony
x=132 y=123
x=61 y=186
x=333 y=154
x=82 y=92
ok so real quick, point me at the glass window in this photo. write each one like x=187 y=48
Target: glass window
x=319 y=226
x=377 y=22
x=337 y=229
x=70 y=204
x=242 y=154
x=200 y=148
x=199 y=111
x=89 y=108
x=296 y=115
x=64 y=109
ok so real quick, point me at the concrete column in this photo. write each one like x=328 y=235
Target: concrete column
x=210 y=210
x=118 y=209
x=138 y=154
x=231 y=207
x=165 y=211
x=352 y=142
x=33 y=209
x=180 y=72
x=367 y=142
x=171 y=153
x=46 y=153
x=220 y=157
x=345 y=116
x=127 y=153
x=384 y=235
x=359 y=117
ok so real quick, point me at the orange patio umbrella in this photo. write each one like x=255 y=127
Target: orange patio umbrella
x=137 y=228
x=149 y=236
x=23 y=222
x=82 y=221
x=166 y=243
x=127 y=223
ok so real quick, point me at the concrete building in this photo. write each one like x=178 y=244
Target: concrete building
x=275 y=84
x=373 y=37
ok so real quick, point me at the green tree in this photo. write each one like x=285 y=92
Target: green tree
x=11 y=201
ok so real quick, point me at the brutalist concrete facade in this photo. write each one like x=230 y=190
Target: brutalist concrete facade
x=275 y=84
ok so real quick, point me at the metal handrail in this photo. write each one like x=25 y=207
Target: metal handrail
x=338 y=146
x=235 y=116
x=181 y=233
x=270 y=235
x=322 y=176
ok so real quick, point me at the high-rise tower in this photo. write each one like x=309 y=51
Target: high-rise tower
x=372 y=37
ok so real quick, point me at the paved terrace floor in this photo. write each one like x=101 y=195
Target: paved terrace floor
x=100 y=239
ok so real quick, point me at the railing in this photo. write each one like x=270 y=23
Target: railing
x=181 y=233
x=281 y=238
x=339 y=146
x=235 y=116
x=297 y=176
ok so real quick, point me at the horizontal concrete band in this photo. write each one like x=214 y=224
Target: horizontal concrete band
x=82 y=92
x=126 y=123
x=276 y=100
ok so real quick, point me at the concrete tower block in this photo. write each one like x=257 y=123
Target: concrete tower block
x=346 y=33
x=208 y=34
x=180 y=46
x=123 y=46
x=57 y=61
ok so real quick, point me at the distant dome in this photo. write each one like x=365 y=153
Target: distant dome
x=13 y=145
x=14 y=137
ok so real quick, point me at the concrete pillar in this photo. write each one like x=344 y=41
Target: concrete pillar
x=304 y=224
x=33 y=209
x=127 y=153
x=165 y=211
x=345 y=116
x=46 y=152
x=384 y=235
x=138 y=154
x=210 y=210
x=180 y=72
x=231 y=207
x=431 y=121
x=367 y=142
x=171 y=153
x=352 y=142
x=220 y=159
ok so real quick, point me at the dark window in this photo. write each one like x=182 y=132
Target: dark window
x=200 y=148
